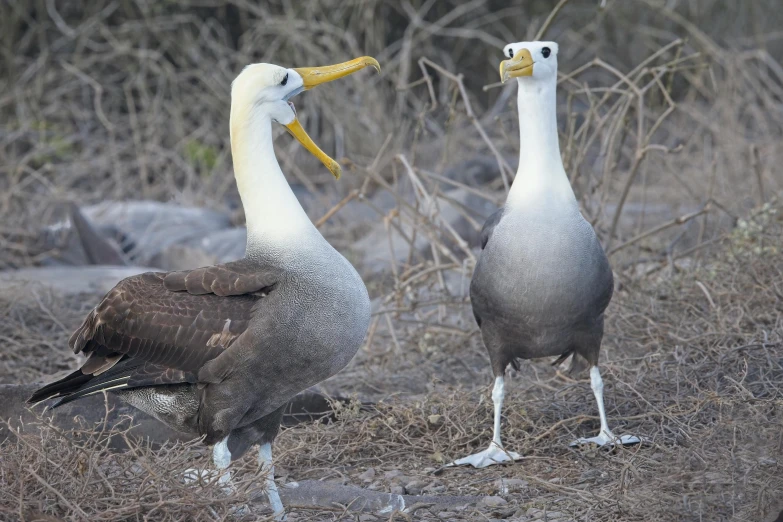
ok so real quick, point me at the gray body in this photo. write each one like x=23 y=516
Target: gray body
x=541 y=286
x=226 y=364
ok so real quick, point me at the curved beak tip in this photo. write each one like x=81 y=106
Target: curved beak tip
x=372 y=62
x=336 y=170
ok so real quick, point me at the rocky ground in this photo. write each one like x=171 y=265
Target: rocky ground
x=693 y=362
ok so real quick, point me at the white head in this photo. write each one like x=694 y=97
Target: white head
x=261 y=95
x=263 y=90
x=529 y=62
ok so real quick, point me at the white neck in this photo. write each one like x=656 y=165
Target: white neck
x=540 y=177
x=274 y=217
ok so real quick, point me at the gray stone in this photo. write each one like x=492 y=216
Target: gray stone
x=368 y=475
x=318 y=493
x=494 y=501
x=372 y=253
x=148 y=233
x=512 y=485
x=415 y=487
x=69 y=280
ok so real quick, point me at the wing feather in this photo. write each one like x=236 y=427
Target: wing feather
x=489 y=227
x=161 y=328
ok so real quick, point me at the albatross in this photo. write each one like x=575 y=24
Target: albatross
x=219 y=351
x=543 y=281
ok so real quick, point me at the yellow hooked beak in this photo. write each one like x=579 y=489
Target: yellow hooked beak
x=312 y=76
x=520 y=65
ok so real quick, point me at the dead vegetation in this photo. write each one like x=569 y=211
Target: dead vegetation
x=670 y=129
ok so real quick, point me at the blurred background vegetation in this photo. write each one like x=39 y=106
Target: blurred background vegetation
x=129 y=99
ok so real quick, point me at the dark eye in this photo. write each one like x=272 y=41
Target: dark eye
x=546 y=51
x=511 y=53
x=285 y=80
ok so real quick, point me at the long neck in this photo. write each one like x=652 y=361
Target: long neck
x=275 y=219
x=540 y=176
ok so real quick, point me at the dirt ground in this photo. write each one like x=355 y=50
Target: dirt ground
x=693 y=363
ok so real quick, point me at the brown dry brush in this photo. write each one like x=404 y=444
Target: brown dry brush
x=76 y=476
x=130 y=99
x=694 y=362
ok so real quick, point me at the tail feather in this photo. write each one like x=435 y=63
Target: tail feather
x=79 y=384
x=64 y=386
x=120 y=382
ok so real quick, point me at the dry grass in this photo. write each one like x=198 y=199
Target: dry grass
x=694 y=362
x=670 y=129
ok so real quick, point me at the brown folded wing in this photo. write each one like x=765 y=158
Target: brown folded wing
x=160 y=328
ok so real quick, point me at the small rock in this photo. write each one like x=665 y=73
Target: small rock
x=493 y=501
x=556 y=480
x=415 y=487
x=397 y=490
x=368 y=475
x=392 y=473
x=438 y=457
x=554 y=515
x=590 y=474
x=767 y=461
x=435 y=420
x=535 y=513
x=506 y=486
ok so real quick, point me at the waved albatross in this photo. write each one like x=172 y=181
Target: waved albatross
x=543 y=281
x=219 y=351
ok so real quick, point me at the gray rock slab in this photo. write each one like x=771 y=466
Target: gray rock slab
x=314 y=493
x=69 y=280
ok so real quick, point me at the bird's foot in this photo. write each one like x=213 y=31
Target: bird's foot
x=494 y=454
x=607 y=439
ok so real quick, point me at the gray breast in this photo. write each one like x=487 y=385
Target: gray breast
x=541 y=277
x=307 y=329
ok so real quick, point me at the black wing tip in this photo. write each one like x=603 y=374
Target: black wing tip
x=68 y=384
x=43 y=395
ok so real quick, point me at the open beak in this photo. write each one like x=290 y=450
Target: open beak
x=312 y=76
x=298 y=132
x=520 y=65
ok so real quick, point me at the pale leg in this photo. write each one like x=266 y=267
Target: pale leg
x=221 y=458
x=495 y=454
x=605 y=436
x=265 y=461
